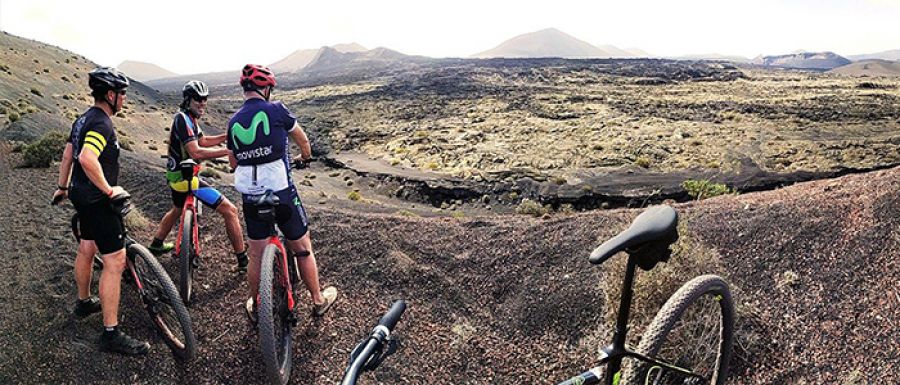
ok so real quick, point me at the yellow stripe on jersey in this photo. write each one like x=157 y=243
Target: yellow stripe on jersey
x=90 y=145
x=93 y=141
x=96 y=135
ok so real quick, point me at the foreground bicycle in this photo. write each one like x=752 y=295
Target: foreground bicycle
x=371 y=351
x=155 y=288
x=701 y=311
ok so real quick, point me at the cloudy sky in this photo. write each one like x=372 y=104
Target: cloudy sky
x=203 y=36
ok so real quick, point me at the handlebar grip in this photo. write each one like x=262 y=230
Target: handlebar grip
x=390 y=319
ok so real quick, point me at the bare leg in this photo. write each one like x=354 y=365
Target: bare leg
x=232 y=225
x=84 y=266
x=167 y=222
x=309 y=270
x=256 y=249
x=110 y=286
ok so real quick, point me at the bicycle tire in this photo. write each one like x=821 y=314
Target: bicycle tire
x=163 y=303
x=185 y=256
x=669 y=319
x=273 y=322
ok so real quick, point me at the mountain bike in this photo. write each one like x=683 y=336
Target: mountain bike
x=371 y=351
x=275 y=303
x=187 y=246
x=701 y=311
x=154 y=287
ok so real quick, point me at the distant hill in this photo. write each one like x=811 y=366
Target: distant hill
x=549 y=42
x=714 y=56
x=871 y=67
x=637 y=52
x=803 y=60
x=144 y=71
x=884 y=55
x=332 y=60
x=616 y=52
x=301 y=57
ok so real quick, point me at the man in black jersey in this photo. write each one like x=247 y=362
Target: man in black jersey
x=91 y=157
x=187 y=141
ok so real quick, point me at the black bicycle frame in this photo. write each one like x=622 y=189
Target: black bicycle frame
x=612 y=355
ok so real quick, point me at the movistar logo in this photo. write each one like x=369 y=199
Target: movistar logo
x=248 y=135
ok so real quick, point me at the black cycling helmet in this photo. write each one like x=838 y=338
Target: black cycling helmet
x=195 y=89
x=103 y=79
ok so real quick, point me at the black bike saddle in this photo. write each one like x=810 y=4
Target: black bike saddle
x=268 y=199
x=656 y=229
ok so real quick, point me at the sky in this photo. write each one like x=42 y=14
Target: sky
x=204 y=36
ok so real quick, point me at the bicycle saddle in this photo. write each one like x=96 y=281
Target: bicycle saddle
x=188 y=169
x=651 y=233
x=267 y=199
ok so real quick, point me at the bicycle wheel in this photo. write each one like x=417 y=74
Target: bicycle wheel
x=186 y=256
x=693 y=330
x=274 y=318
x=163 y=303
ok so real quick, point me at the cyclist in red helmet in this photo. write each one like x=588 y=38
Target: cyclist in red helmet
x=258 y=139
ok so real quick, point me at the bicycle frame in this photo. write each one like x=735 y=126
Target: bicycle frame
x=282 y=262
x=613 y=354
x=190 y=205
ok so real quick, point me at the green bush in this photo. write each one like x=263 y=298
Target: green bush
x=13 y=116
x=530 y=207
x=354 y=196
x=41 y=152
x=643 y=161
x=702 y=189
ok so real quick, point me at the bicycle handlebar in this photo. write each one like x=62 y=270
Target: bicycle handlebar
x=368 y=354
x=390 y=319
x=301 y=164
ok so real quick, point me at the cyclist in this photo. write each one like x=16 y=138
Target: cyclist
x=92 y=157
x=258 y=140
x=186 y=140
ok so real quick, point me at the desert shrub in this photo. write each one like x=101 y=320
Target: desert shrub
x=566 y=209
x=13 y=116
x=44 y=150
x=407 y=213
x=136 y=220
x=643 y=161
x=354 y=196
x=37 y=92
x=457 y=214
x=559 y=180
x=530 y=207
x=702 y=189
x=206 y=172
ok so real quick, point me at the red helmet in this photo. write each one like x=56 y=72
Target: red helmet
x=257 y=75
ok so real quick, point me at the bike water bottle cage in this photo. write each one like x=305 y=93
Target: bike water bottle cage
x=647 y=239
x=266 y=204
x=189 y=169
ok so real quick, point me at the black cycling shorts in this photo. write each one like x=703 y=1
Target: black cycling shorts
x=98 y=222
x=290 y=216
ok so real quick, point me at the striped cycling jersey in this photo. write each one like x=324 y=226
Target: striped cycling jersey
x=93 y=131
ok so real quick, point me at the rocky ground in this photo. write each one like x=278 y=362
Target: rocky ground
x=491 y=298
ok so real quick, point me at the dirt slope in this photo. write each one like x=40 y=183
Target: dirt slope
x=490 y=298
